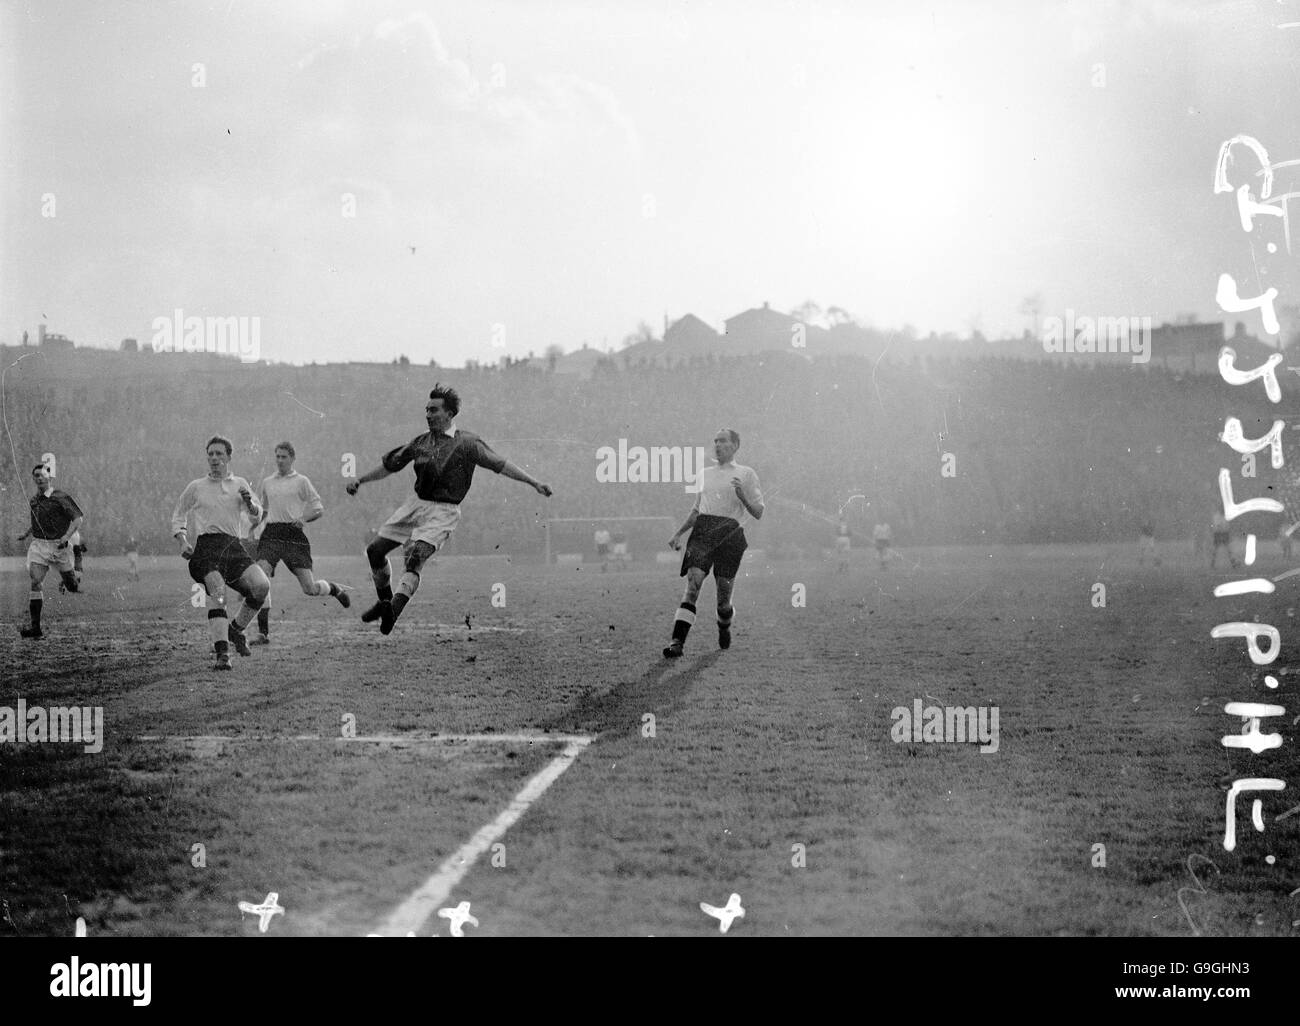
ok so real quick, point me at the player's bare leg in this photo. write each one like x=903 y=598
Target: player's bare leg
x=319 y=587
x=377 y=555
x=726 y=612
x=417 y=554
x=35 y=600
x=685 y=612
x=264 y=614
x=218 y=624
x=254 y=586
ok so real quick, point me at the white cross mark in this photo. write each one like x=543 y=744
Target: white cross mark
x=459 y=916
x=725 y=915
x=270 y=907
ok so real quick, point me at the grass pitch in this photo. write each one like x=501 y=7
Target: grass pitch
x=770 y=770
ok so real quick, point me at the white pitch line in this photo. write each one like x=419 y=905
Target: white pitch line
x=411 y=914
x=512 y=739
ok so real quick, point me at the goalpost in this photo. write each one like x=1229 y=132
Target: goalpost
x=593 y=522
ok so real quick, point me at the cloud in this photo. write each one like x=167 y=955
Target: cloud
x=403 y=70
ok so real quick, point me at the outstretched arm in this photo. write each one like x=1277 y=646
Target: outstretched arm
x=378 y=474
x=517 y=474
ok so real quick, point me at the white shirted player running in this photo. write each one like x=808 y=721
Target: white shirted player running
x=289 y=501
x=728 y=494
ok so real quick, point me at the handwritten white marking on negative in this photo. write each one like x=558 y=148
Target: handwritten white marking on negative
x=731 y=911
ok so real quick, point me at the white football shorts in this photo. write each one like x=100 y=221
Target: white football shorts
x=46 y=552
x=422 y=520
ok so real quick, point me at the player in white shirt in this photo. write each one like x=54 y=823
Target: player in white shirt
x=288 y=502
x=728 y=493
x=217 y=503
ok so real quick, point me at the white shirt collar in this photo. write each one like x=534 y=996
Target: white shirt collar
x=451 y=431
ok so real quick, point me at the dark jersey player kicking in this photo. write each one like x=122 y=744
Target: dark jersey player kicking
x=444 y=458
x=727 y=493
x=55 y=520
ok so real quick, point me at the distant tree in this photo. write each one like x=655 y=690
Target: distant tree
x=433 y=363
x=808 y=312
x=553 y=354
x=837 y=315
x=643 y=333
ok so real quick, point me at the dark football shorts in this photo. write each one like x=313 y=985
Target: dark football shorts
x=882 y=544
x=716 y=543
x=1221 y=537
x=220 y=552
x=285 y=542
x=602 y=550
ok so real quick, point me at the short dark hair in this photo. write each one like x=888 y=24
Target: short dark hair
x=450 y=400
x=40 y=466
x=735 y=438
x=289 y=447
x=223 y=440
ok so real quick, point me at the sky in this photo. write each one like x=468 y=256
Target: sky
x=458 y=181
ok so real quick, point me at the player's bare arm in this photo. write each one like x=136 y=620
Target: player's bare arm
x=378 y=474
x=250 y=503
x=73 y=528
x=179 y=515
x=518 y=474
x=674 y=542
x=755 y=510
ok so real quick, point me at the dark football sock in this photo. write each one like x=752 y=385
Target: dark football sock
x=682 y=625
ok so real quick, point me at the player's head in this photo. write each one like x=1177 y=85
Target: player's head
x=219 y=450
x=41 y=474
x=442 y=407
x=725 y=444
x=284 y=457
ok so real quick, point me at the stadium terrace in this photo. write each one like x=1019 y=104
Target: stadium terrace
x=660 y=463
x=232 y=336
